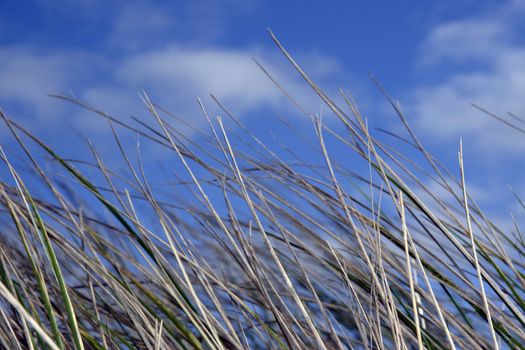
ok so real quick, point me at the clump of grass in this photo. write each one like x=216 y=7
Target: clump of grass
x=256 y=252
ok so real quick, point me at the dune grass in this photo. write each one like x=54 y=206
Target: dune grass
x=266 y=254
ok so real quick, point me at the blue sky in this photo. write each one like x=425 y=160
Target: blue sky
x=434 y=57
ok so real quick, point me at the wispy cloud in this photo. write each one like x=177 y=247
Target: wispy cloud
x=138 y=25
x=181 y=74
x=29 y=74
x=172 y=71
x=480 y=60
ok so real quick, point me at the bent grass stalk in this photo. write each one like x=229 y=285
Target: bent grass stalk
x=250 y=247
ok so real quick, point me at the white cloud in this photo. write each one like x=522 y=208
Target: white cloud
x=28 y=75
x=173 y=76
x=179 y=73
x=137 y=25
x=486 y=66
x=138 y=52
x=461 y=40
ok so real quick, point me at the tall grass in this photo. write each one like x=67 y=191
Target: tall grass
x=255 y=252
